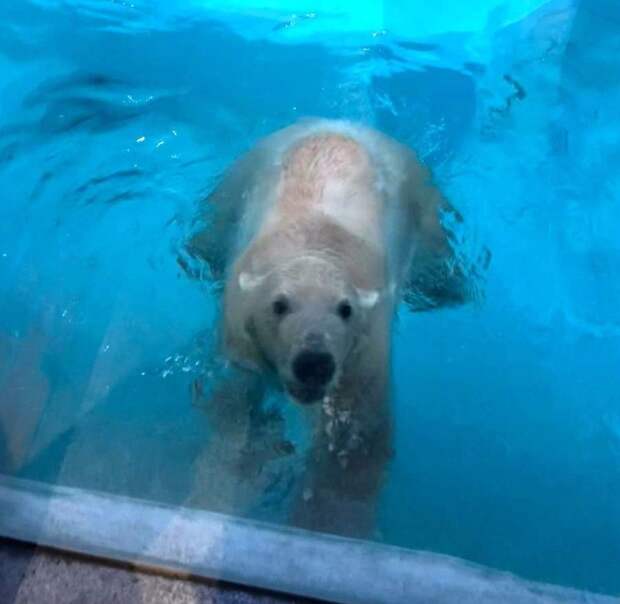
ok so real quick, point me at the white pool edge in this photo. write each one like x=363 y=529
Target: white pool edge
x=240 y=551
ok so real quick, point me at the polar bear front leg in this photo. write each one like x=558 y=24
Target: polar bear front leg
x=223 y=481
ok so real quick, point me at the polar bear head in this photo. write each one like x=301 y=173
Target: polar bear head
x=303 y=320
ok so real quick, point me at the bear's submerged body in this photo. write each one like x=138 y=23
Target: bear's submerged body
x=316 y=233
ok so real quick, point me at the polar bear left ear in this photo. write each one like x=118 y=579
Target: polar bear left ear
x=368 y=298
x=248 y=282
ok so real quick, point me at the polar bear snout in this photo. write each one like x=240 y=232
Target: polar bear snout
x=314 y=369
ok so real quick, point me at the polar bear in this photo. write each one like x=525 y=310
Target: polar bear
x=317 y=234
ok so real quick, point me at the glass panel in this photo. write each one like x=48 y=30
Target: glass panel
x=118 y=121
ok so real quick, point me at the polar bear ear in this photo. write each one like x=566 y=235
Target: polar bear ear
x=248 y=282
x=368 y=298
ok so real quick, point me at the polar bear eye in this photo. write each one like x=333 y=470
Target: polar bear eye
x=345 y=310
x=280 y=306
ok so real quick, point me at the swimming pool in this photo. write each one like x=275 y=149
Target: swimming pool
x=118 y=117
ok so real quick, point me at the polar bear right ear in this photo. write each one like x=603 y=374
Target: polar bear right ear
x=247 y=281
x=368 y=297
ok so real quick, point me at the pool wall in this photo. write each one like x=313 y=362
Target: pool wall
x=218 y=546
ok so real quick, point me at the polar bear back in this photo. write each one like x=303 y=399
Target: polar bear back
x=333 y=177
x=365 y=182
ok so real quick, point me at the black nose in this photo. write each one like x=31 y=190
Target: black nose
x=314 y=368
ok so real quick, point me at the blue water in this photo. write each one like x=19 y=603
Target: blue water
x=116 y=118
